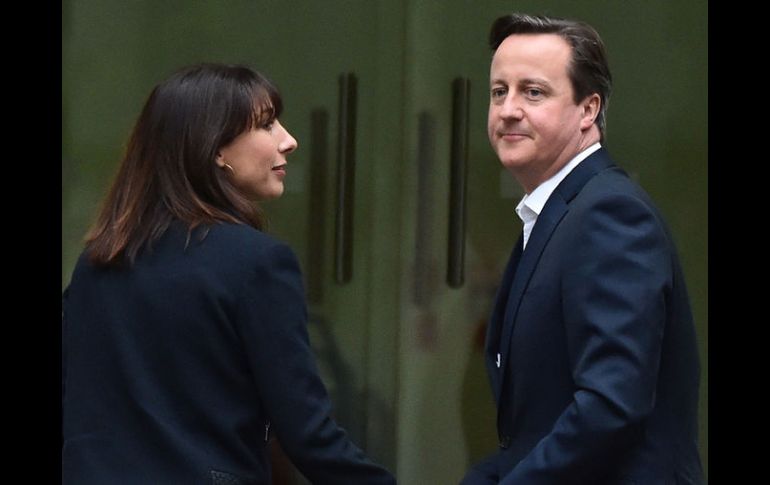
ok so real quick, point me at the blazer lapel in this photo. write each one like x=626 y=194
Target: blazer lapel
x=495 y=326
x=547 y=221
x=553 y=212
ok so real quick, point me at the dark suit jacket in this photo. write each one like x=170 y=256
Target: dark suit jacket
x=598 y=375
x=175 y=371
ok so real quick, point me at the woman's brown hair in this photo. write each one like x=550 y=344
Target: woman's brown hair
x=168 y=170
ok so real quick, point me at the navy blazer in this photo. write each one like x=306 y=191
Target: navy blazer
x=591 y=348
x=179 y=369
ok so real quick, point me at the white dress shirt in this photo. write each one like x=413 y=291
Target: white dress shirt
x=532 y=204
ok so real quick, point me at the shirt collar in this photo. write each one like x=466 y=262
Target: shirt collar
x=532 y=204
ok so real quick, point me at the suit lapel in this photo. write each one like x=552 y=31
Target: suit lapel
x=494 y=329
x=547 y=221
x=553 y=212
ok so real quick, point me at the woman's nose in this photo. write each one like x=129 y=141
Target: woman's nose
x=289 y=143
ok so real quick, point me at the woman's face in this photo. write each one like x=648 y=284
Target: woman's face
x=258 y=160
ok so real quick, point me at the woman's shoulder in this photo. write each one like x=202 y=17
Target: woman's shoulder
x=228 y=232
x=240 y=240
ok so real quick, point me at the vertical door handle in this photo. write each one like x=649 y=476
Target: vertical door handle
x=346 y=164
x=319 y=164
x=457 y=181
x=426 y=181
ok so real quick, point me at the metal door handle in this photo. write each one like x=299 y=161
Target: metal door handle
x=319 y=132
x=457 y=181
x=346 y=164
x=424 y=250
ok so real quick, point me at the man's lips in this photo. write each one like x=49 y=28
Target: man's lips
x=512 y=134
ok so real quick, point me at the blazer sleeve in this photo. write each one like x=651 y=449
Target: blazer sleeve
x=615 y=282
x=63 y=329
x=483 y=472
x=272 y=320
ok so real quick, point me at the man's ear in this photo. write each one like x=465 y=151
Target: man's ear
x=591 y=106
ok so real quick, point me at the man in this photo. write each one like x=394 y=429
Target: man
x=591 y=347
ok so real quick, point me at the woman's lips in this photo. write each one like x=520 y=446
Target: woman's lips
x=280 y=169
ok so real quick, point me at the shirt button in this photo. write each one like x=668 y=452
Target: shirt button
x=505 y=441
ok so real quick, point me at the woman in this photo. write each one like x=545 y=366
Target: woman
x=184 y=339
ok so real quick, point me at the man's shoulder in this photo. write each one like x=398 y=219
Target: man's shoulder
x=613 y=181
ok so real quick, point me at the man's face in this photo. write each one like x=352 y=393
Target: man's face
x=534 y=125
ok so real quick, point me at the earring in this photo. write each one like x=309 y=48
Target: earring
x=229 y=167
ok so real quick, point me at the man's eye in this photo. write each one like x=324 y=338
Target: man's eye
x=534 y=92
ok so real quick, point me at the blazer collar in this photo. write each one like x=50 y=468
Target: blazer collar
x=553 y=211
x=573 y=183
